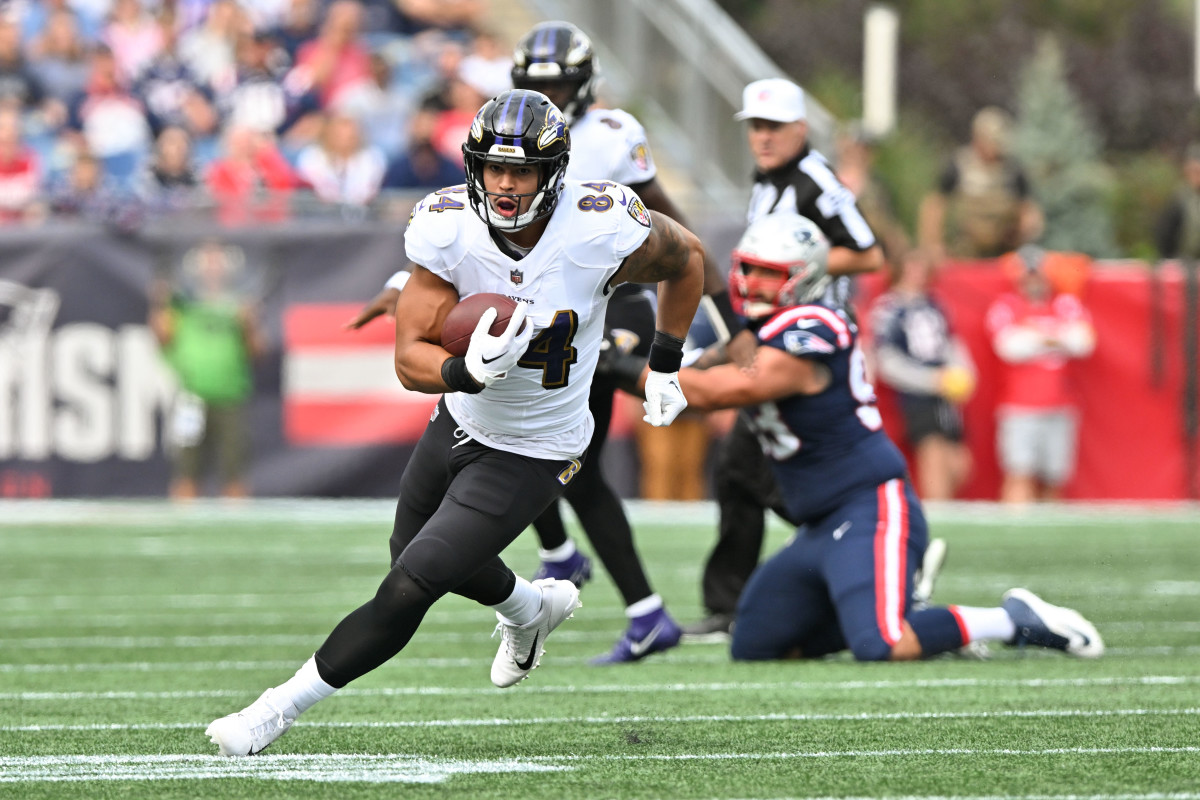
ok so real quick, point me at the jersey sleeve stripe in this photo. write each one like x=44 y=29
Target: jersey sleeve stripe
x=789 y=318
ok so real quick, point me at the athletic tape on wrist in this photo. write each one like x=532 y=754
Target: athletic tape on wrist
x=456 y=375
x=666 y=353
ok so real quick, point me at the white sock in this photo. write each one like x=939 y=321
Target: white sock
x=522 y=605
x=644 y=606
x=560 y=553
x=305 y=689
x=987 y=623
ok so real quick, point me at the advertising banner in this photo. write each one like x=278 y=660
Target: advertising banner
x=86 y=399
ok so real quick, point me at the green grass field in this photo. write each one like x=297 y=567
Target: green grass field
x=126 y=628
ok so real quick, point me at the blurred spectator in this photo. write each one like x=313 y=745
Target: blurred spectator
x=335 y=64
x=266 y=15
x=1036 y=332
x=422 y=166
x=18 y=82
x=340 y=167
x=931 y=371
x=256 y=98
x=84 y=190
x=134 y=37
x=250 y=180
x=451 y=125
x=1178 y=230
x=35 y=17
x=487 y=66
x=20 y=172
x=210 y=335
x=856 y=171
x=109 y=121
x=300 y=23
x=386 y=113
x=174 y=97
x=983 y=203
x=169 y=181
x=444 y=58
x=454 y=16
x=59 y=58
x=209 y=50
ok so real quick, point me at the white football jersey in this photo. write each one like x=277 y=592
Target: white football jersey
x=609 y=144
x=541 y=408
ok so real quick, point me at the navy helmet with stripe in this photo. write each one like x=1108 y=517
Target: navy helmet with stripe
x=517 y=127
x=557 y=58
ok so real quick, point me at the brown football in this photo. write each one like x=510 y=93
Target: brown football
x=461 y=321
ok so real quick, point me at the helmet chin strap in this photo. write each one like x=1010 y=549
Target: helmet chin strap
x=518 y=222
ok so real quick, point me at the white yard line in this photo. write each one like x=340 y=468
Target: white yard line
x=495 y=722
x=408 y=768
x=699 y=653
x=622 y=688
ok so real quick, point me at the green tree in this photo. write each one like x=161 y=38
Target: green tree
x=1061 y=151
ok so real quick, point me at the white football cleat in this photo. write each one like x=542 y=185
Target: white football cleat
x=1045 y=625
x=250 y=730
x=521 y=646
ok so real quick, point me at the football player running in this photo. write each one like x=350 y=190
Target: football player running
x=845 y=579
x=511 y=429
x=558 y=59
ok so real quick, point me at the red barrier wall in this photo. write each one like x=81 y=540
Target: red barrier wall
x=1132 y=440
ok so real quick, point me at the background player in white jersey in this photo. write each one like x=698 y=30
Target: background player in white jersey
x=511 y=429
x=557 y=59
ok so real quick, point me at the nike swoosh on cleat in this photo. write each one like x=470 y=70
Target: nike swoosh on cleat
x=640 y=647
x=533 y=652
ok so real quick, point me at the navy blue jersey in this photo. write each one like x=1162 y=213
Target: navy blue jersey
x=915 y=326
x=823 y=447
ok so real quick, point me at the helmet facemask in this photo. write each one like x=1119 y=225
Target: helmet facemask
x=793 y=251
x=517 y=127
x=557 y=57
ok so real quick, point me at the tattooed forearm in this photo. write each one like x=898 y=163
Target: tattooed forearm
x=663 y=255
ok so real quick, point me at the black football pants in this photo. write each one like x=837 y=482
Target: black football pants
x=461 y=503
x=594 y=501
x=745 y=488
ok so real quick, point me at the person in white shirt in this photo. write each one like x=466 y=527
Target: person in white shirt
x=511 y=430
x=339 y=166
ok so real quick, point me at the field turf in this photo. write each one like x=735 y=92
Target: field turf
x=126 y=627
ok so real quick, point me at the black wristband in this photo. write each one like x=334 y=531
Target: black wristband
x=733 y=323
x=457 y=377
x=666 y=353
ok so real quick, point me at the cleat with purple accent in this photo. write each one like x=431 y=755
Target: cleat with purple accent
x=647 y=634
x=577 y=569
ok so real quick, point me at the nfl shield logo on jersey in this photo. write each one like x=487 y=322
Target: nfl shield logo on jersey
x=516 y=276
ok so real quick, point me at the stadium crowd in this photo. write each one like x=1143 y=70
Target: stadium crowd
x=161 y=104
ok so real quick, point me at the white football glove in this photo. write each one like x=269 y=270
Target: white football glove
x=489 y=358
x=664 y=398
